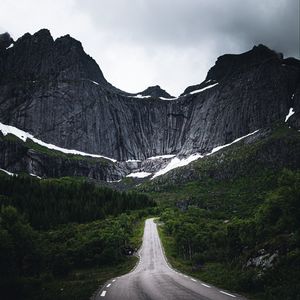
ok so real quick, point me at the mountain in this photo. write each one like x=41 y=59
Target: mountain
x=53 y=90
x=221 y=162
x=155 y=92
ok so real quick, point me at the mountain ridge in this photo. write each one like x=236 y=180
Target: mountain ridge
x=64 y=99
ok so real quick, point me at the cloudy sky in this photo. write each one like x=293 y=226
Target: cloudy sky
x=173 y=43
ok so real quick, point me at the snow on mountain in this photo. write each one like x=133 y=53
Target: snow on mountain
x=7 y=129
x=139 y=96
x=168 y=99
x=139 y=174
x=235 y=141
x=203 y=89
x=7 y=172
x=291 y=112
x=177 y=162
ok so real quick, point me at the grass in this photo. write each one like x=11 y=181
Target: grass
x=223 y=199
x=81 y=284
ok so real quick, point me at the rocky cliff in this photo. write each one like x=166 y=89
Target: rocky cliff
x=54 y=90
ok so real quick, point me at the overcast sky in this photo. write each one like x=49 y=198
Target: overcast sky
x=173 y=43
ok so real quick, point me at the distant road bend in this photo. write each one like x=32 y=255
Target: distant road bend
x=153 y=279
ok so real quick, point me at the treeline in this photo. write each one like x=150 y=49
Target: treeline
x=51 y=227
x=272 y=229
x=47 y=203
x=28 y=257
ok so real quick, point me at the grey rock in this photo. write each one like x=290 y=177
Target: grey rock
x=16 y=157
x=55 y=91
x=5 y=41
x=264 y=262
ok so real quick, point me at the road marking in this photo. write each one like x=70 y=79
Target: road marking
x=108 y=285
x=185 y=276
x=103 y=294
x=193 y=279
x=114 y=280
x=227 y=294
x=206 y=285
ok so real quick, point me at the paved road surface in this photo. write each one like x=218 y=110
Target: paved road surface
x=153 y=279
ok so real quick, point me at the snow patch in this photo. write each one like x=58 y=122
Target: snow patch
x=139 y=174
x=139 y=96
x=176 y=162
x=167 y=99
x=7 y=129
x=33 y=175
x=8 y=173
x=235 y=141
x=203 y=89
x=291 y=112
x=133 y=160
x=11 y=45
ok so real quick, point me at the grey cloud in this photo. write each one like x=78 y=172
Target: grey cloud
x=226 y=24
x=172 y=43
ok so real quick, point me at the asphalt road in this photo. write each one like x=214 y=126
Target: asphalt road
x=154 y=279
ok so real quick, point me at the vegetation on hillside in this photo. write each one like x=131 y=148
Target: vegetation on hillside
x=30 y=144
x=231 y=218
x=250 y=244
x=50 y=202
x=53 y=231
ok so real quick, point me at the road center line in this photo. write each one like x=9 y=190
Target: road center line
x=103 y=294
x=108 y=285
x=227 y=294
x=206 y=285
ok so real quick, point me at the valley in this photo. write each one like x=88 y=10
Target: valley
x=83 y=164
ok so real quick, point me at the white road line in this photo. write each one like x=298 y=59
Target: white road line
x=103 y=294
x=206 y=285
x=185 y=276
x=193 y=279
x=227 y=294
x=108 y=285
x=114 y=280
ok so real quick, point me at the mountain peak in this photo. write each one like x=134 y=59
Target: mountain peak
x=156 y=91
x=231 y=63
x=40 y=57
x=69 y=41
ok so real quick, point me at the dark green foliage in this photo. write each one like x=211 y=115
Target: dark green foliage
x=47 y=203
x=80 y=226
x=210 y=240
x=28 y=256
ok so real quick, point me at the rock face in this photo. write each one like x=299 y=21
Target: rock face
x=5 y=41
x=16 y=157
x=55 y=91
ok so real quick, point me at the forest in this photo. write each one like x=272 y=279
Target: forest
x=257 y=254
x=49 y=228
x=50 y=202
